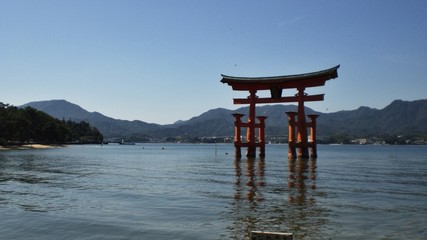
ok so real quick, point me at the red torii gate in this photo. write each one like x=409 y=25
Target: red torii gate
x=276 y=85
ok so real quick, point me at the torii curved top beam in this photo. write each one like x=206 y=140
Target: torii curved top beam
x=304 y=80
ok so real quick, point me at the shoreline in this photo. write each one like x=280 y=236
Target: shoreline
x=30 y=146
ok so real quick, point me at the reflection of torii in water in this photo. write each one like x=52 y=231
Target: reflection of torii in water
x=302 y=172
x=276 y=85
x=255 y=179
x=262 y=205
x=249 y=184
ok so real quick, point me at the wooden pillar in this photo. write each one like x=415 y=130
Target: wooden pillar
x=302 y=126
x=237 y=134
x=291 y=135
x=313 y=137
x=250 y=135
x=261 y=135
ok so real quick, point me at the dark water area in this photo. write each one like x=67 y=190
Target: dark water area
x=196 y=191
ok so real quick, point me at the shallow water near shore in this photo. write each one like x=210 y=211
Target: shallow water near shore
x=200 y=191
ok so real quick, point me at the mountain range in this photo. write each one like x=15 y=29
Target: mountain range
x=398 y=118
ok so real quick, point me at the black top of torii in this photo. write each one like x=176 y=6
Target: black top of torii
x=312 y=79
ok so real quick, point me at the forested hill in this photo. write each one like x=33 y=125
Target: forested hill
x=28 y=125
x=109 y=127
x=398 y=118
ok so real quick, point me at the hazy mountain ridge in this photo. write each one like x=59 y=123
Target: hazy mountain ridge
x=108 y=126
x=400 y=117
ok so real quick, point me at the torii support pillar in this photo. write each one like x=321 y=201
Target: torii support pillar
x=293 y=144
x=291 y=135
x=237 y=134
x=313 y=137
x=261 y=135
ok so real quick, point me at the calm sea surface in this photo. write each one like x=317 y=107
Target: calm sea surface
x=184 y=191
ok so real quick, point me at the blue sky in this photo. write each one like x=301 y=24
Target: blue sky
x=160 y=61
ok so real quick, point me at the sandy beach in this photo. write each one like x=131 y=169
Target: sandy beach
x=29 y=146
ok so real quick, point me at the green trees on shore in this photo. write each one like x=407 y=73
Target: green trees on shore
x=30 y=125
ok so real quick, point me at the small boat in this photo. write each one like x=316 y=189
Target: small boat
x=126 y=143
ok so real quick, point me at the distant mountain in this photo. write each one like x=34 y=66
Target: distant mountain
x=109 y=127
x=400 y=117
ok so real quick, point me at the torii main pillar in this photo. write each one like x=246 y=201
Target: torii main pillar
x=250 y=133
x=276 y=85
x=302 y=126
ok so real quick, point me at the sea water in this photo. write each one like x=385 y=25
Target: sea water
x=200 y=191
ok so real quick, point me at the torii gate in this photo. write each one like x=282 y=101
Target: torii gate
x=276 y=86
